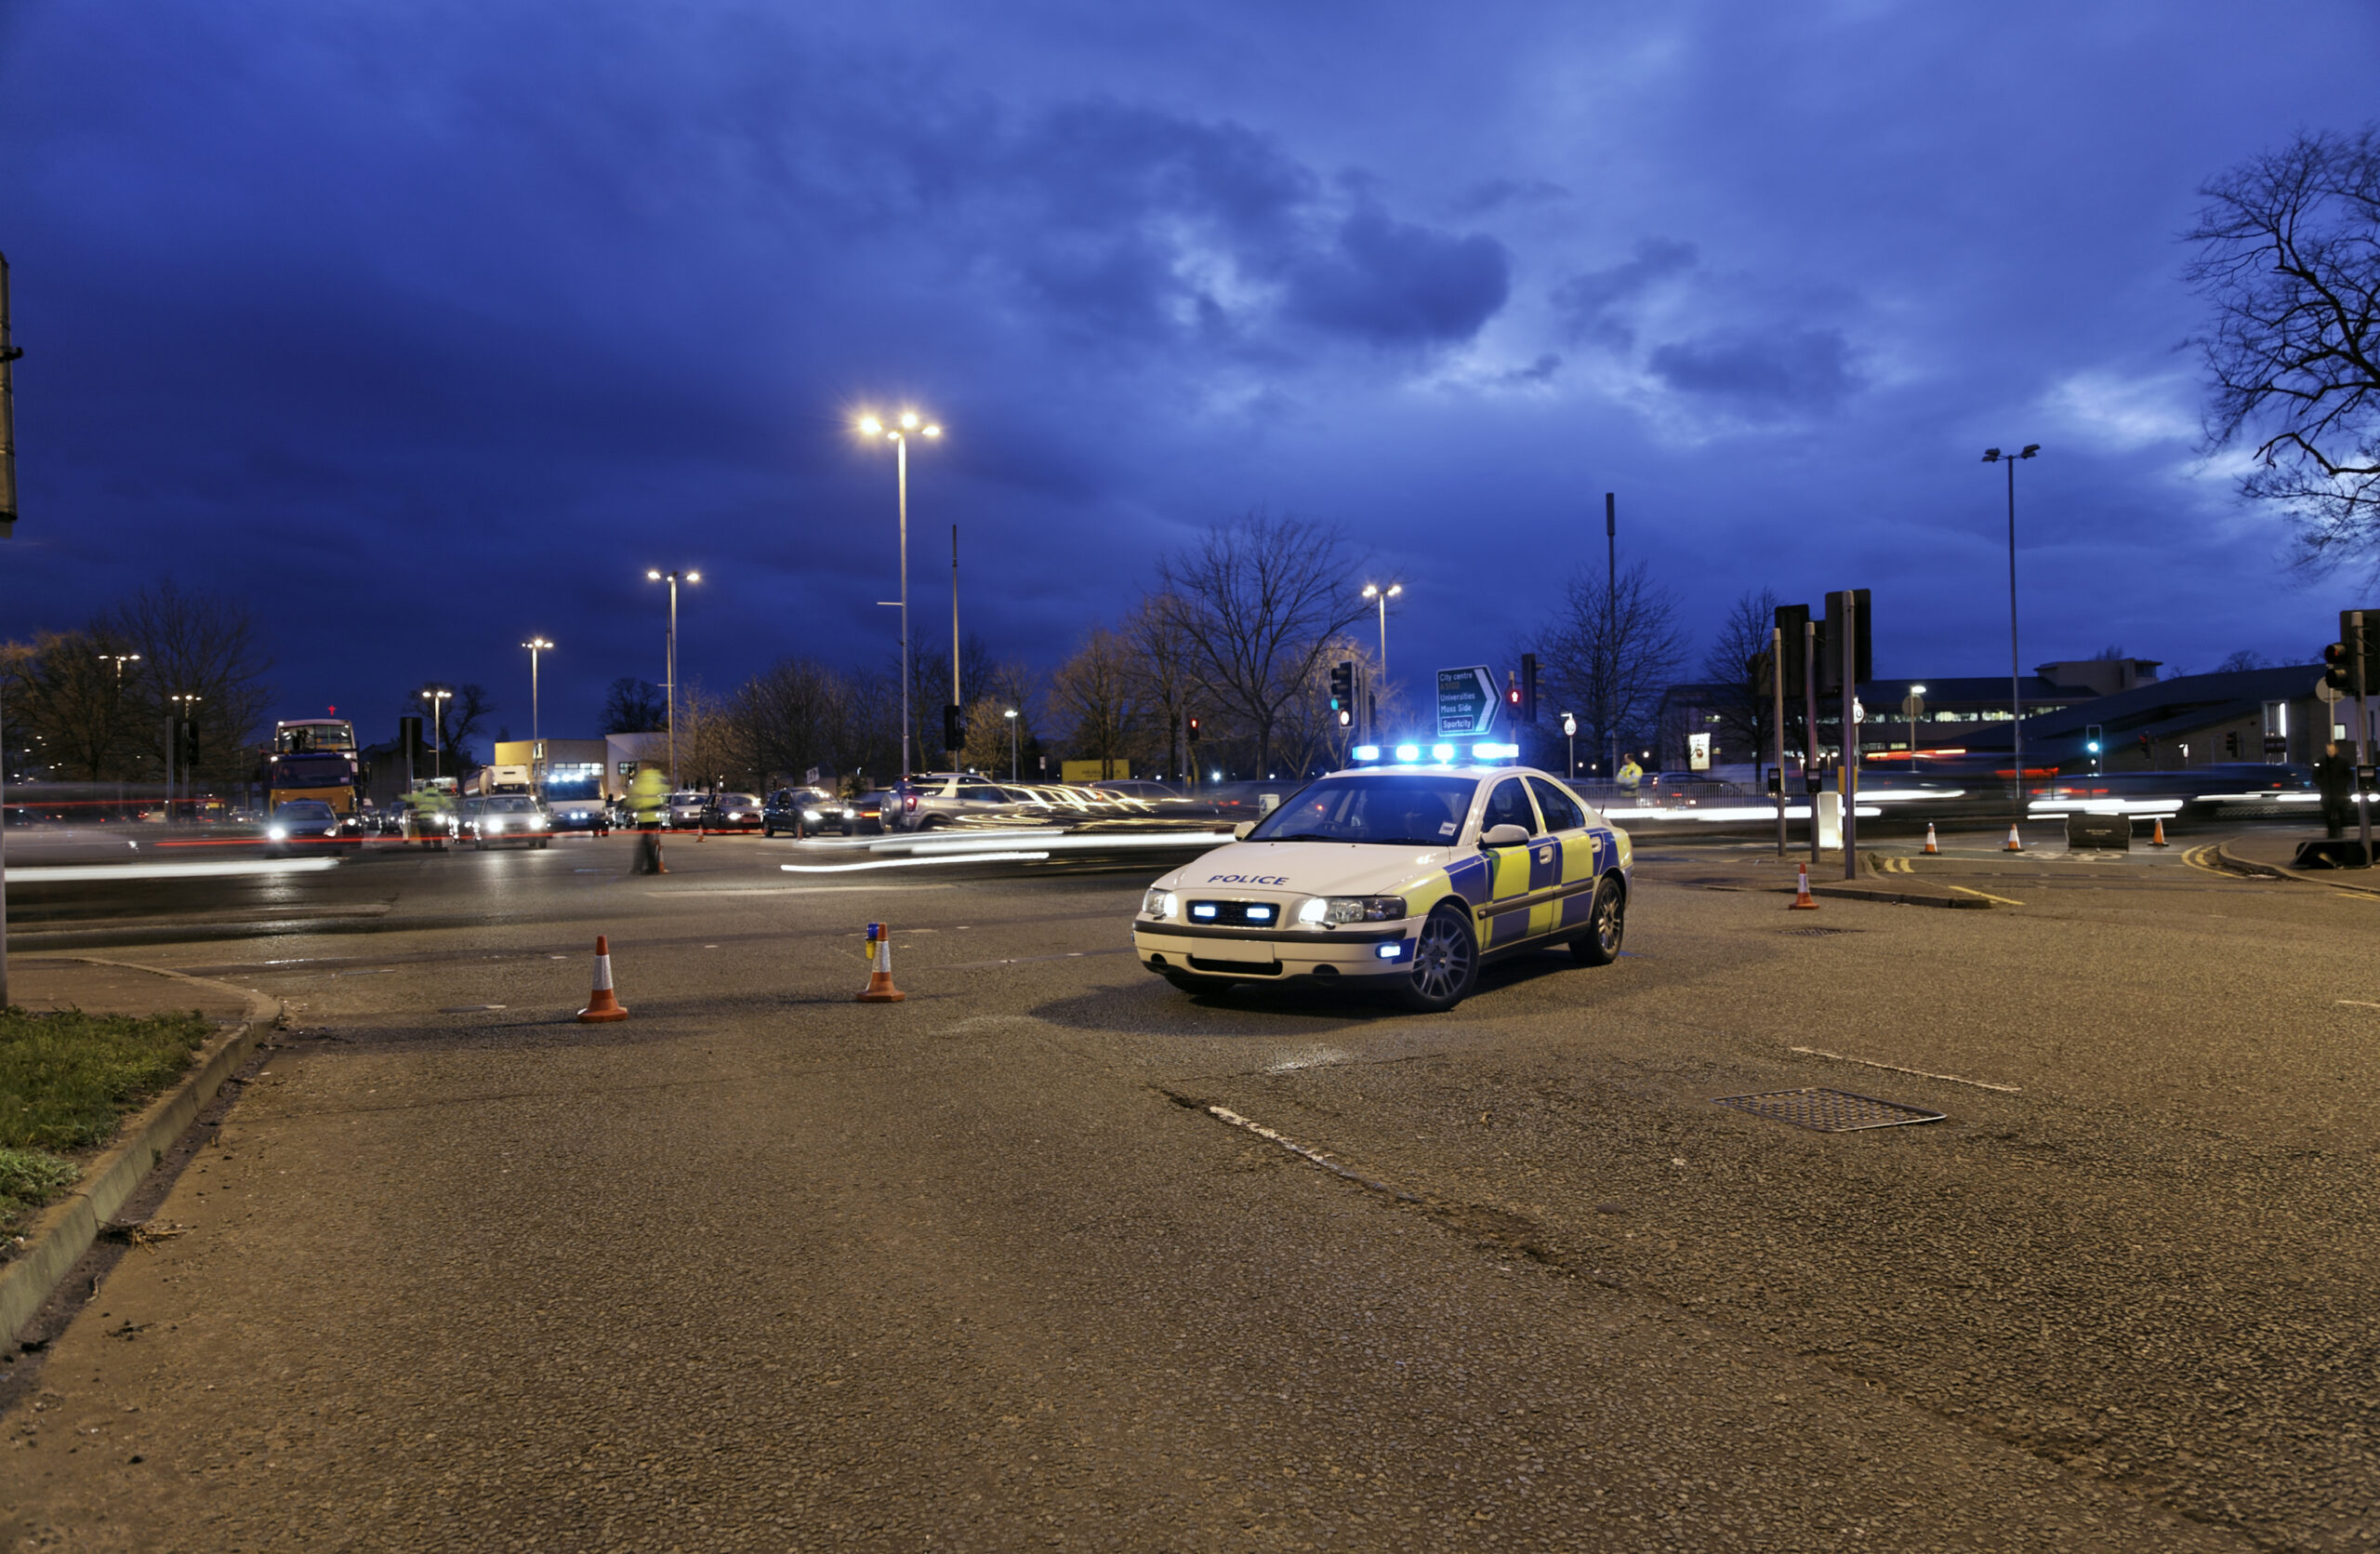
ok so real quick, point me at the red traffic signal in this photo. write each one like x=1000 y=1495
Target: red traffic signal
x=2338 y=671
x=1194 y=728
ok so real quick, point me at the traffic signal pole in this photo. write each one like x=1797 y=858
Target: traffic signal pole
x=1848 y=779
x=1810 y=727
x=1777 y=690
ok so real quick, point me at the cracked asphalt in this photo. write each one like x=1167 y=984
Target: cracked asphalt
x=764 y=1269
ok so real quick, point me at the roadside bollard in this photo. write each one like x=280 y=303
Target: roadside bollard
x=879 y=969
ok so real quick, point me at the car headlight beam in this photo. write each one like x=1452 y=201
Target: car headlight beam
x=1336 y=910
x=1160 y=903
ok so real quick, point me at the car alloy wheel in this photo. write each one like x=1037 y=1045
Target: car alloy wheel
x=1607 y=925
x=1446 y=960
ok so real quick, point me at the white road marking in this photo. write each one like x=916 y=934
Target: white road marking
x=2358 y=1002
x=78 y=872
x=1986 y=895
x=1920 y=1074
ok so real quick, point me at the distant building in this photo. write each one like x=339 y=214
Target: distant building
x=2269 y=715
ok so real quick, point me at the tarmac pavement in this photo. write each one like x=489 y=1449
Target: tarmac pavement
x=763 y=1269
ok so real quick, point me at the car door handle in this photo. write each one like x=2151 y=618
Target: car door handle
x=1545 y=855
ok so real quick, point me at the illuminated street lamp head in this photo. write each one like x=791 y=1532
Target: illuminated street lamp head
x=1913 y=690
x=651 y=576
x=909 y=421
x=538 y=644
x=1010 y=714
x=694 y=576
x=870 y=425
x=1373 y=590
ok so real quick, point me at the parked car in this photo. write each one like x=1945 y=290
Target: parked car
x=683 y=809
x=732 y=812
x=504 y=818
x=1146 y=790
x=805 y=812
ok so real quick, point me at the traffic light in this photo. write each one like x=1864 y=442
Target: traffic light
x=2231 y=743
x=1528 y=687
x=1791 y=619
x=1193 y=729
x=1342 y=691
x=2090 y=740
x=2144 y=747
x=1831 y=669
x=2350 y=662
x=189 y=745
x=954 y=727
x=1513 y=694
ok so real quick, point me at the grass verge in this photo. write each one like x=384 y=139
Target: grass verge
x=67 y=1080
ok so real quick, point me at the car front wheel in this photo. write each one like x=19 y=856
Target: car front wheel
x=1445 y=963
x=1607 y=925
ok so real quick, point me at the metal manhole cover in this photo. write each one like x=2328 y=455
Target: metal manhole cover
x=1813 y=932
x=1823 y=1110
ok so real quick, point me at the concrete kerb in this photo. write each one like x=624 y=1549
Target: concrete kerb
x=66 y=1230
x=2254 y=867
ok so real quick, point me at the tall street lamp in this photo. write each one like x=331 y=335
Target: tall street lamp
x=903 y=427
x=535 y=646
x=673 y=578
x=1571 y=732
x=184 y=701
x=436 y=700
x=1380 y=596
x=2015 y=671
x=1011 y=716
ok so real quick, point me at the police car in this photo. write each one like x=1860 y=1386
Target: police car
x=1402 y=879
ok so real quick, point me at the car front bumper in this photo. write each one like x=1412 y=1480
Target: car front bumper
x=1354 y=952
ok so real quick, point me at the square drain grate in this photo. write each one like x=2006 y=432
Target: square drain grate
x=1823 y=1110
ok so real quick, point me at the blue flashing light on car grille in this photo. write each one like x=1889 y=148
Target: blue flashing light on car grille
x=1367 y=752
x=1260 y=914
x=1408 y=752
x=1391 y=951
x=1204 y=909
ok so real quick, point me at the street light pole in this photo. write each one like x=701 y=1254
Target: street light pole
x=182 y=702
x=2015 y=671
x=1381 y=596
x=436 y=700
x=1011 y=716
x=669 y=717
x=1611 y=619
x=535 y=646
x=898 y=435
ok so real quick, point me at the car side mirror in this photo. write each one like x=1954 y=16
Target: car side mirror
x=1505 y=836
x=1239 y=832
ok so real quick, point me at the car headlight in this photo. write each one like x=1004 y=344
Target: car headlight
x=276 y=834
x=491 y=825
x=812 y=814
x=1351 y=909
x=1159 y=903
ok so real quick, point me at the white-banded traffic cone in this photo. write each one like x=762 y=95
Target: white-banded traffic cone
x=2014 y=843
x=880 y=988
x=2157 y=839
x=601 y=1003
x=1932 y=846
x=1803 y=901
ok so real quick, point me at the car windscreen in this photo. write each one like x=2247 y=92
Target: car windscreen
x=304 y=809
x=512 y=805
x=738 y=801
x=1398 y=809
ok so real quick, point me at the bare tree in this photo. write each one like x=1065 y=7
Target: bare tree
x=68 y=701
x=1611 y=650
x=633 y=706
x=454 y=721
x=1093 y=700
x=1161 y=668
x=989 y=734
x=2246 y=657
x=1259 y=600
x=2289 y=258
x=1732 y=664
x=197 y=645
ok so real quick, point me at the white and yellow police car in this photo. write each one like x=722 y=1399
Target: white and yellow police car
x=1403 y=879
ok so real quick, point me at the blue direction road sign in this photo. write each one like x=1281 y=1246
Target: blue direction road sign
x=1467 y=701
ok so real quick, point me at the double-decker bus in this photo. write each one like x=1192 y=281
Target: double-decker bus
x=314 y=758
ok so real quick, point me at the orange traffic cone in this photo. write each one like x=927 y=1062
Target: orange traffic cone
x=600 y=1004
x=879 y=971
x=2015 y=843
x=1803 y=901
x=1931 y=845
x=2158 y=839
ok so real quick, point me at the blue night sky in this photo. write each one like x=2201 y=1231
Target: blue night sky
x=428 y=326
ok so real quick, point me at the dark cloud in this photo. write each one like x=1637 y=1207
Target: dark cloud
x=1594 y=307
x=1762 y=375
x=1392 y=283
x=1496 y=194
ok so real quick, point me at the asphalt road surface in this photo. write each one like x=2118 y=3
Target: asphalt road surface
x=1010 y=1265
